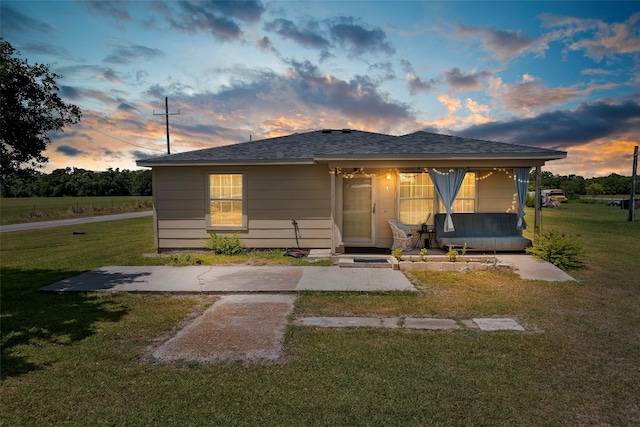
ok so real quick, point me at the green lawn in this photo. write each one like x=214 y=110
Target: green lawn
x=19 y=210
x=76 y=359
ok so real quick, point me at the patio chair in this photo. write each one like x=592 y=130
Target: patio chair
x=402 y=236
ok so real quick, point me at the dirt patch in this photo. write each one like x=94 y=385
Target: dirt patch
x=237 y=328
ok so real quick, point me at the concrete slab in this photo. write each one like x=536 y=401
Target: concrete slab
x=245 y=328
x=132 y=279
x=349 y=322
x=229 y=279
x=429 y=323
x=491 y=324
x=529 y=267
x=250 y=279
x=353 y=279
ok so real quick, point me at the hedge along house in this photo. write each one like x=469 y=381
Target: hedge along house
x=331 y=188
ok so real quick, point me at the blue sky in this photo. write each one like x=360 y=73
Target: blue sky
x=562 y=75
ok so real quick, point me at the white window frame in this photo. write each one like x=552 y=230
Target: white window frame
x=209 y=199
x=427 y=199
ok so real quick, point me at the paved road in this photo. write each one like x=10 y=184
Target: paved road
x=72 y=221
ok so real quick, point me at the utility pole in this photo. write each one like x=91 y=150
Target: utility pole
x=632 y=198
x=166 y=114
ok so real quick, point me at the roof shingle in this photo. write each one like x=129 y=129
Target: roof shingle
x=346 y=144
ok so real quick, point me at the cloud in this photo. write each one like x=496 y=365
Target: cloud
x=219 y=18
x=603 y=39
x=382 y=69
x=532 y=94
x=143 y=155
x=127 y=107
x=505 y=45
x=69 y=151
x=42 y=48
x=309 y=36
x=357 y=38
x=460 y=81
x=357 y=98
x=110 y=75
x=113 y=9
x=565 y=128
x=342 y=32
x=417 y=85
x=78 y=94
x=264 y=43
x=132 y=53
x=14 y=22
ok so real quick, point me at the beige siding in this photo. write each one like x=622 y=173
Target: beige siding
x=274 y=196
x=496 y=191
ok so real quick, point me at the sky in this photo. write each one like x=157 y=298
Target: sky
x=560 y=75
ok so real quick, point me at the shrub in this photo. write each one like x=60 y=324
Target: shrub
x=531 y=200
x=225 y=245
x=560 y=249
x=397 y=253
x=453 y=255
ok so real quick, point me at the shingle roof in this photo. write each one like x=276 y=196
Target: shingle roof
x=347 y=144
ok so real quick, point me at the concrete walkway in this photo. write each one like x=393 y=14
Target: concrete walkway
x=233 y=279
x=73 y=221
x=529 y=267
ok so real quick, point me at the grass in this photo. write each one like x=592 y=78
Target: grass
x=76 y=359
x=19 y=210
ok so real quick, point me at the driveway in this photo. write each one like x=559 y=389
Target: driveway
x=73 y=221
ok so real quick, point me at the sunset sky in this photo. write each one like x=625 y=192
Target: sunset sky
x=562 y=75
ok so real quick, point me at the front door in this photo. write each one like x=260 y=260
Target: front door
x=357 y=211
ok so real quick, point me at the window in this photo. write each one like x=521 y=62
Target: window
x=417 y=195
x=466 y=198
x=226 y=200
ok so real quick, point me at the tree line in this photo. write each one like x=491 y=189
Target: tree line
x=77 y=182
x=575 y=185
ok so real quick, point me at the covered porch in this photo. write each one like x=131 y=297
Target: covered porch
x=366 y=197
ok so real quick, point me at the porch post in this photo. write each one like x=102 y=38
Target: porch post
x=333 y=172
x=538 y=207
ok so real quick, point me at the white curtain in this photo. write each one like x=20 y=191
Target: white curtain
x=447 y=184
x=521 y=176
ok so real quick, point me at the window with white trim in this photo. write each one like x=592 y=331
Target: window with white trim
x=226 y=200
x=466 y=198
x=417 y=195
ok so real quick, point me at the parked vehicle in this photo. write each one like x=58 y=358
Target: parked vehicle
x=555 y=194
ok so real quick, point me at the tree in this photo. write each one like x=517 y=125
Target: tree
x=595 y=189
x=30 y=109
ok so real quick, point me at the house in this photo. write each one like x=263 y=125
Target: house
x=332 y=188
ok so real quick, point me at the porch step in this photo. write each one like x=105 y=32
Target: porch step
x=316 y=254
x=365 y=262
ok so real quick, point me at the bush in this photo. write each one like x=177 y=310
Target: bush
x=560 y=249
x=225 y=245
x=531 y=200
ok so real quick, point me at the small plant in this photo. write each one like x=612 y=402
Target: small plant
x=452 y=254
x=464 y=250
x=397 y=253
x=225 y=245
x=423 y=252
x=560 y=249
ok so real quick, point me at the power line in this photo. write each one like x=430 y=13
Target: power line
x=122 y=140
